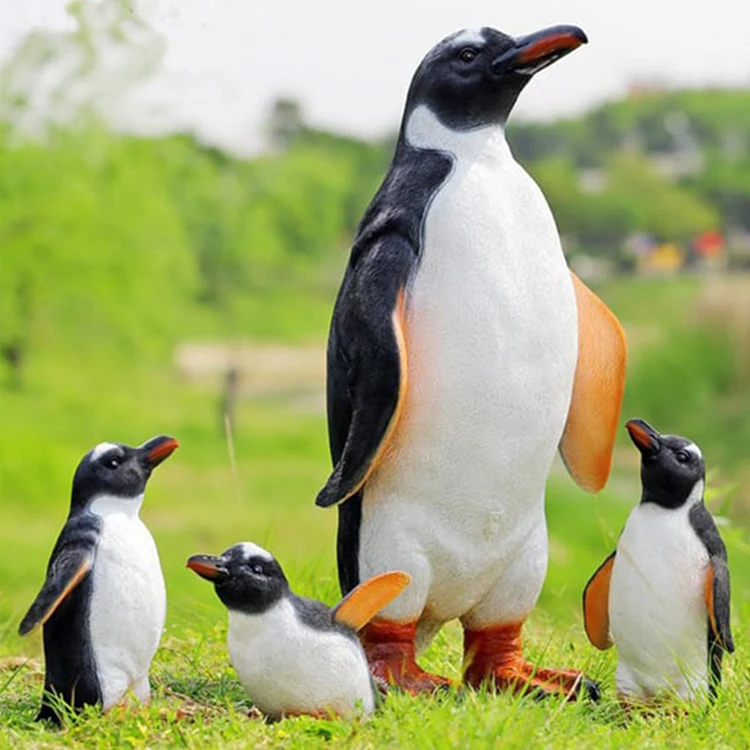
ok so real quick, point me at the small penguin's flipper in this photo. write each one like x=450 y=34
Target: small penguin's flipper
x=596 y=605
x=589 y=437
x=367 y=367
x=362 y=603
x=68 y=568
x=717 y=603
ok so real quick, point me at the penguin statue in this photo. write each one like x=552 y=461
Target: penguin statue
x=103 y=603
x=662 y=597
x=294 y=655
x=462 y=354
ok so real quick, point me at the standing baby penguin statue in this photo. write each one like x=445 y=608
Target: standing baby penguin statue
x=294 y=655
x=663 y=596
x=103 y=603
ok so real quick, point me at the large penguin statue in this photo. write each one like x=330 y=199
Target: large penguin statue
x=462 y=354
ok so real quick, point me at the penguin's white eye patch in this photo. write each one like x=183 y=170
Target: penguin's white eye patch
x=467 y=54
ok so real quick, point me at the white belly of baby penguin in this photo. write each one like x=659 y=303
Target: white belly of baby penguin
x=657 y=608
x=288 y=667
x=129 y=602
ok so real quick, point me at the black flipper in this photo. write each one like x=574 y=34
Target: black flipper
x=68 y=567
x=366 y=364
x=717 y=593
x=62 y=607
x=719 y=614
x=719 y=629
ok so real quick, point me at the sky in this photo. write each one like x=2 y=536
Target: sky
x=349 y=62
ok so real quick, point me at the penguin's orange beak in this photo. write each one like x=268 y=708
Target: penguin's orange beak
x=535 y=51
x=645 y=437
x=158 y=449
x=208 y=566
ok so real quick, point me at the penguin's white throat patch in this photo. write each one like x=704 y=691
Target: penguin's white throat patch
x=245 y=626
x=108 y=505
x=425 y=130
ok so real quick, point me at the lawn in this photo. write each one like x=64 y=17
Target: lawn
x=200 y=501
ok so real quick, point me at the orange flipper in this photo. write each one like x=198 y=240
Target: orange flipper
x=361 y=604
x=596 y=605
x=589 y=437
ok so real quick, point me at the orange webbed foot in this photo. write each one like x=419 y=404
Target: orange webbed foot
x=493 y=657
x=391 y=654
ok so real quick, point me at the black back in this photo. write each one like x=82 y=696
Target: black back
x=319 y=616
x=70 y=669
x=392 y=230
x=705 y=527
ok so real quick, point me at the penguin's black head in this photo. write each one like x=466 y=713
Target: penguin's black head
x=473 y=77
x=671 y=466
x=117 y=470
x=246 y=577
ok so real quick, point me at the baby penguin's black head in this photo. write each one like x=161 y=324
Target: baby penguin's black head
x=672 y=467
x=246 y=577
x=118 y=470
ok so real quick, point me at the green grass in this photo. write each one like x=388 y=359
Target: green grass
x=198 y=703
x=197 y=503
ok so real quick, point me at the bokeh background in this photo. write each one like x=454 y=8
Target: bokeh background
x=179 y=185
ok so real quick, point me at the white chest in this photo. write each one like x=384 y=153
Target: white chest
x=656 y=607
x=287 y=667
x=491 y=335
x=128 y=602
x=491 y=316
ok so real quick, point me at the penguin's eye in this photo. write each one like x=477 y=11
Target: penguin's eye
x=257 y=568
x=467 y=55
x=683 y=457
x=112 y=463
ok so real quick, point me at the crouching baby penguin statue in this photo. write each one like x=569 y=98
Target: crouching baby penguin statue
x=295 y=655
